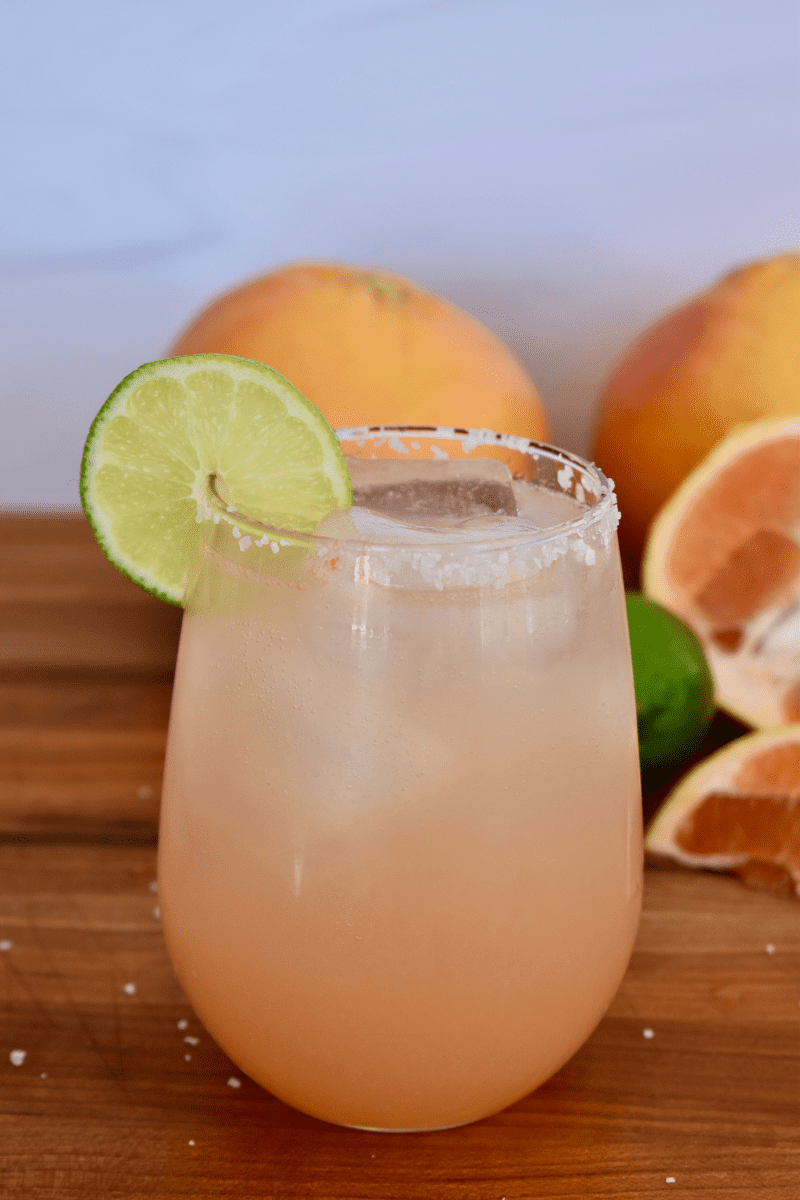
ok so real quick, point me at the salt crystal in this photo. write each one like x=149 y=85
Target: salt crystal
x=157 y=913
x=564 y=477
x=129 y=989
x=670 y=1179
x=191 y=1141
x=192 y=1041
x=187 y=1057
x=6 y=944
x=246 y=542
x=183 y=1023
x=17 y=1057
x=770 y=949
x=234 y=1082
x=648 y=1033
x=153 y=885
x=43 y=1075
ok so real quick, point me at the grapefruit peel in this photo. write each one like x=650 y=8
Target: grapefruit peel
x=741 y=567
x=738 y=811
x=370 y=347
x=723 y=356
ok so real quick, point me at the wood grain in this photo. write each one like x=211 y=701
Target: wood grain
x=81 y=750
x=107 y=1105
x=712 y=1099
x=62 y=604
x=86 y=665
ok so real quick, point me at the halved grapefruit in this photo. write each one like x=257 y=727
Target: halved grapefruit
x=724 y=555
x=738 y=811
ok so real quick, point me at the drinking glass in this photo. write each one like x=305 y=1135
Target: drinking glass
x=400 y=849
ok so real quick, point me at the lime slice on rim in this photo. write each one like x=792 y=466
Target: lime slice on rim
x=174 y=427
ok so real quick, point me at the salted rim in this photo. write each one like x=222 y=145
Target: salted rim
x=604 y=506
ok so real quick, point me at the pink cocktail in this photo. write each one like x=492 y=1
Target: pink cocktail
x=400 y=854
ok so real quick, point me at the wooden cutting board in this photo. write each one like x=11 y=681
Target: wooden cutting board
x=109 y=1086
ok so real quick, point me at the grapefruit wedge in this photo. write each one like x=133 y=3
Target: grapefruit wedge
x=738 y=811
x=723 y=554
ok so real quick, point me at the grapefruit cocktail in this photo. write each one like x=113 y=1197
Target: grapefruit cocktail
x=400 y=849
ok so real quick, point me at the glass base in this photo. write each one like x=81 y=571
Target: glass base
x=414 y=1128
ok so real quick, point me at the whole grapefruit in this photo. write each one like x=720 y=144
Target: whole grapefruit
x=727 y=356
x=370 y=347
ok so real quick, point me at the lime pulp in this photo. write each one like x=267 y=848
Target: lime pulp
x=173 y=427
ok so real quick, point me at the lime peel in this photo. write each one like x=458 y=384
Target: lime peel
x=175 y=427
x=673 y=683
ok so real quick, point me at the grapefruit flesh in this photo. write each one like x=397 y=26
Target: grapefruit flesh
x=739 y=811
x=370 y=347
x=724 y=556
x=722 y=358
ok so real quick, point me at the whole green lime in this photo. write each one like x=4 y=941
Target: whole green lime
x=673 y=682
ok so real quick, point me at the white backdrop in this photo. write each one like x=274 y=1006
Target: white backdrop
x=564 y=169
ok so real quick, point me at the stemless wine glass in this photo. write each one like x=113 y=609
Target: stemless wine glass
x=400 y=850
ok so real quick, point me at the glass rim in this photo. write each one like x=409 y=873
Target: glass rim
x=604 y=504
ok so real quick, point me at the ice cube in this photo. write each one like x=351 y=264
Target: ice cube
x=380 y=529
x=547 y=507
x=496 y=526
x=359 y=524
x=431 y=492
